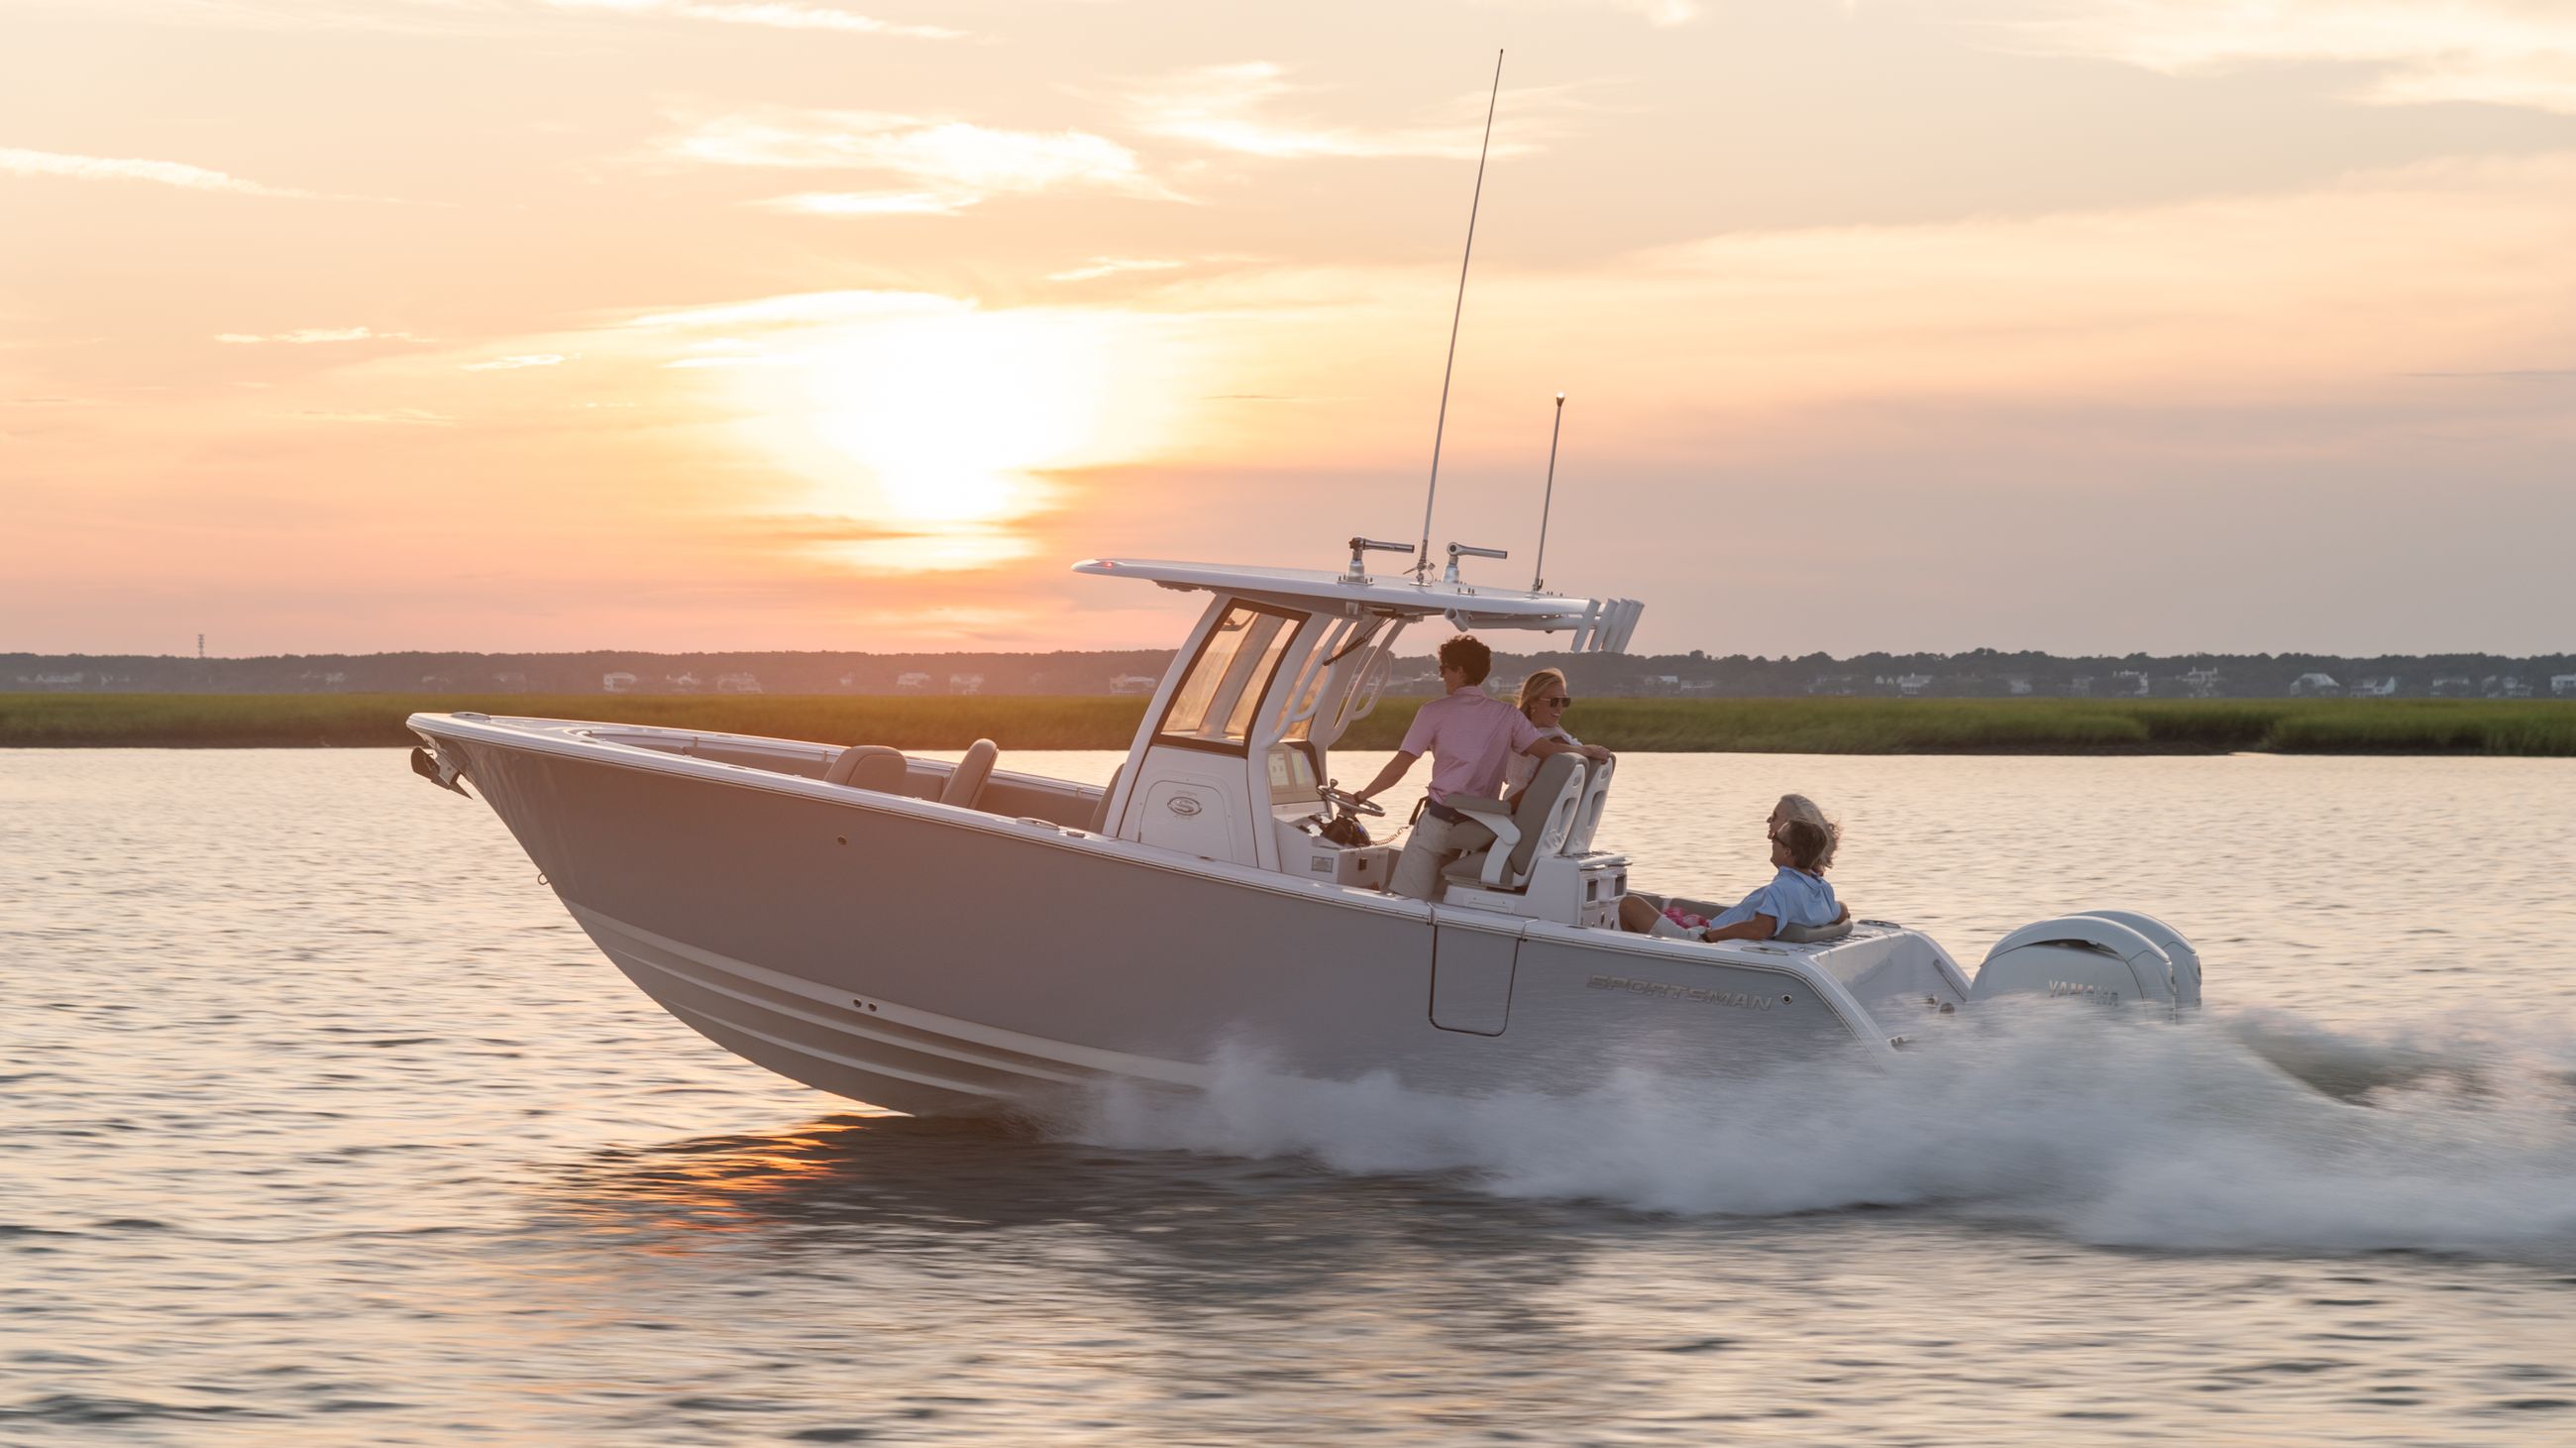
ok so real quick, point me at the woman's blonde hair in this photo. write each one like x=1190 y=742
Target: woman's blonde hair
x=1798 y=809
x=1535 y=687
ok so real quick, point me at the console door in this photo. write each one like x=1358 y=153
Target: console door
x=1472 y=965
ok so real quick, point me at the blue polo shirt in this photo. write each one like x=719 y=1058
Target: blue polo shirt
x=1793 y=897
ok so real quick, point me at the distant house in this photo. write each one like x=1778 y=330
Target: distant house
x=2377 y=686
x=616 y=683
x=913 y=682
x=2318 y=684
x=2200 y=683
x=2081 y=686
x=965 y=683
x=1663 y=681
x=1911 y=685
x=2132 y=682
x=1132 y=683
x=2562 y=685
x=2506 y=687
x=682 y=683
x=2453 y=687
x=1835 y=684
x=737 y=684
x=58 y=681
x=2016 y=684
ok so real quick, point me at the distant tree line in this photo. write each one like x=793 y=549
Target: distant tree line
x=1996 y=674
x=1979 y=673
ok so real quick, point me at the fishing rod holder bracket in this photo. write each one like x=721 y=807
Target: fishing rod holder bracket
x=1360 y=547
x=1461 y=550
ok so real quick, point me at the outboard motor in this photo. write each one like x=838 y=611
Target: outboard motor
x=2115 y=957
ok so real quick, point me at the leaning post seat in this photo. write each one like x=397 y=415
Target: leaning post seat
x=1538 y=820
x=1595 y=798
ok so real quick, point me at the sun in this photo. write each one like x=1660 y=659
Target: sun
x=948 y=416
x=942 y=425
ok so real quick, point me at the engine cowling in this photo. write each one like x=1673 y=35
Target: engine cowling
x=2115 y=957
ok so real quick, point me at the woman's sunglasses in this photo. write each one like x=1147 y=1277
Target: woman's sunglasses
x=1559 y=702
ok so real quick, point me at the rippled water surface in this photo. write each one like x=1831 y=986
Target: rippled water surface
x=321 y=1123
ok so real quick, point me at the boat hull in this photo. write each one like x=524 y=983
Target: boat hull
x=936 y=960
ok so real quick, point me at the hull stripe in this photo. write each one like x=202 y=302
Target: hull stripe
x=950 y=1036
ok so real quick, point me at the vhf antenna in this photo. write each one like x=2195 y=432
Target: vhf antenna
x=1538 y=571
x=1422 y=560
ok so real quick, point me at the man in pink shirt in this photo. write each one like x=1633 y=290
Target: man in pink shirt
x=1470 y=736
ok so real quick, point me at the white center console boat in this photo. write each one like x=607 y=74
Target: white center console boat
x=939 y=938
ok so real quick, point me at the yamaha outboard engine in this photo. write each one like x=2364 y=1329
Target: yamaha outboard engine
x=2115 y=957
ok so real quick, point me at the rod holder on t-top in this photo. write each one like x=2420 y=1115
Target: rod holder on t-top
x=1461 y=550
x=1359 y=546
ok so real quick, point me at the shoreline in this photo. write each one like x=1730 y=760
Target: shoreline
x=2533 y=728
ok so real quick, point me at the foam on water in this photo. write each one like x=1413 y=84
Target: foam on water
x=2259 y=1133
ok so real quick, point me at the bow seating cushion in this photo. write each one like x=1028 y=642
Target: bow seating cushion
x=871 y=766
x=966 y=781
x=1100 y=812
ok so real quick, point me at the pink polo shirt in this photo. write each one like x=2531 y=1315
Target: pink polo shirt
x=1470 y=736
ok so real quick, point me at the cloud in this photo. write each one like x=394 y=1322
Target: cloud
x=1105 y=266
x=2500 y=52
x=1653 y=12
x=394 y=416
x=950 y=164
x=311 y=336
x=1232 y=108
x=16 y=162
x=874 y=203
x=772 y=13
x=823 y=528
x=510 y=364
x=797 y=309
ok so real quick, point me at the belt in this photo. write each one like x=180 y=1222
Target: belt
x=1442 y=812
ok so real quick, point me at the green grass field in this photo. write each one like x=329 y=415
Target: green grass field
x=1772 y=726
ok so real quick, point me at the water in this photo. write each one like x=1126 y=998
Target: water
x=320 y=1123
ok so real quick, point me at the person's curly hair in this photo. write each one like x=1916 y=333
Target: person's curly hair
x=1468 y=654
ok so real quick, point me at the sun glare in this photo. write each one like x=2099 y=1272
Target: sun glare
x=939 y=423
x=949 y=415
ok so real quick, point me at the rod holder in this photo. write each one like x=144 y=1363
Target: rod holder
x=1461 y=550
x=1360 y=548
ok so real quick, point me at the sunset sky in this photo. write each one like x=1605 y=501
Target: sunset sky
x=2082 y=325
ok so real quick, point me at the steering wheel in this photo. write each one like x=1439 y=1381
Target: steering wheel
x=1348 y=803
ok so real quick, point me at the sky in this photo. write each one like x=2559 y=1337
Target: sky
x=2081 y=325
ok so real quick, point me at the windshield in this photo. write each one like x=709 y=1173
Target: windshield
x=1222 y=692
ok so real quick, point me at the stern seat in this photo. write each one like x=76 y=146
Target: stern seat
x=1788 y=934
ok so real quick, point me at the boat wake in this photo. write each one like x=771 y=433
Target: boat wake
x=2251 y=1132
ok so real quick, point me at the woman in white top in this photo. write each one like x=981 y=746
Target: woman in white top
x=1543 y=699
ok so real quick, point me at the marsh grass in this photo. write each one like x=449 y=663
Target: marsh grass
x=1777 y=726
